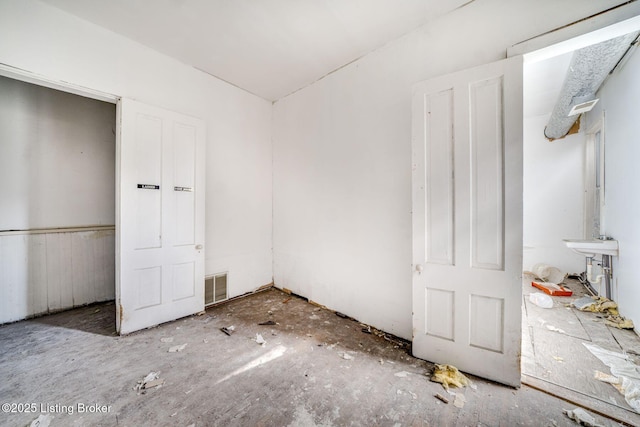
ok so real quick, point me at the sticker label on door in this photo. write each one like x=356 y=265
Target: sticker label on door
x=149 y=186
x=183 y=189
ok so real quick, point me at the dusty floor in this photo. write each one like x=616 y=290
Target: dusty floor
x=553 y=349
x=315 y=369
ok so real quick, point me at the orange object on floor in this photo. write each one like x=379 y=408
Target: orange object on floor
x=553 y=289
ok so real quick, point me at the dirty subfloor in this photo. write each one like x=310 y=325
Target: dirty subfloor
x=316 y=369
x=553 y=350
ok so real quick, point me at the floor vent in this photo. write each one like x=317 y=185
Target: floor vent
x=215 y=289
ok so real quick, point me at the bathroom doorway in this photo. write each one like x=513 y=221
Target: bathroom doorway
x=564 y=197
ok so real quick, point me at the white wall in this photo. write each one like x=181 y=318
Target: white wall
x=46 y=41
x=553 y=197
x=342 y=158
x=619 y=100
x=57 y=158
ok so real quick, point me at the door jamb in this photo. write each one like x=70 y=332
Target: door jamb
x=612 y=23
x=40 y=80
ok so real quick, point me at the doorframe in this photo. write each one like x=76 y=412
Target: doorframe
x=594 y=164
x=614 y=22
x=40 y=80
x=62 y=86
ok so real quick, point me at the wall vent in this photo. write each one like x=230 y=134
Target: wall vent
x=215 y=289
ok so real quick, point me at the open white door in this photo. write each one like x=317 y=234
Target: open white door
x=159 y=216
x=467 y=220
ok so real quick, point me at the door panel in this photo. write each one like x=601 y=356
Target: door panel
x=487 y=163
x=147 y=161
x=439 y=177
x=467 y=220
x=160 y=216
x=183 y=280
x=184 y=180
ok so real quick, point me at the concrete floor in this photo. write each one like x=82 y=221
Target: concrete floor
x=316 y=369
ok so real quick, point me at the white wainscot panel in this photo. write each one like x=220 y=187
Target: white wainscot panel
x=44 y=271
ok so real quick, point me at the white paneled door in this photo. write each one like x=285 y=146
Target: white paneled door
x=160 y=216
x=467 y=220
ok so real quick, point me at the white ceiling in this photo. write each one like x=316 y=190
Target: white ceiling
x=267 y=47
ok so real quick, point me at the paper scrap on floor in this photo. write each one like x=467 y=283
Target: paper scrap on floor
x=582 y=417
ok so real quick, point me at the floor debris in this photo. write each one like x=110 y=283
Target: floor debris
x=441 y=397
x=228 y=329
x=554 y=329
x=287 y=300
x=267 y=323
x=552 y=289
x=605 y=306
x=596 y=305
x=177 y=348
x=541 y=300
x=260 y=340
x=582 y=417
x=448 y=375
x=344 y=316
x=346 y=356
x=547 y=273
x=150 y=381
x=618 y=322
x=624 y=369
x=459 y=400
x=166 y=339
x=401 y=374
x=154 y=383
x=606 y=378
x=43 y=420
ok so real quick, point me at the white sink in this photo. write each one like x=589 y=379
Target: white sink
x=590 y=248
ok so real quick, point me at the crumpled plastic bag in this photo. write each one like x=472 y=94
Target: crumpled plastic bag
x=627 y=372
x=548 y=273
